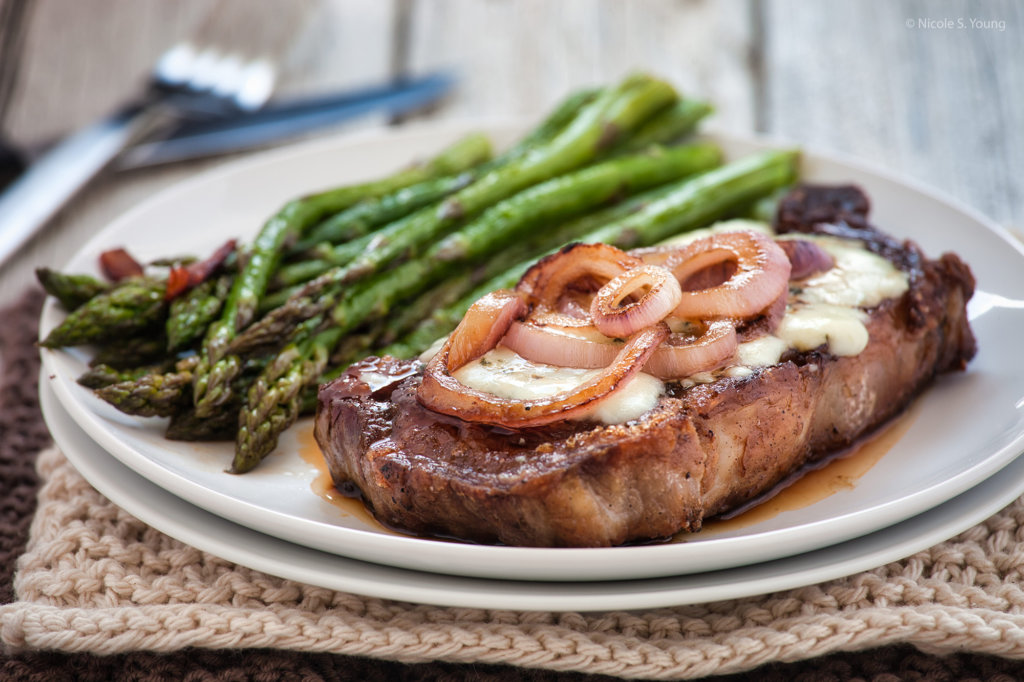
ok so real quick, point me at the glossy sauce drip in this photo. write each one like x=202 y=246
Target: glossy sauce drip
x=812 y=485
x=323 y=485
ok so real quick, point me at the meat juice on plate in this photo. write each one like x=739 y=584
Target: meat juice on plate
x=806 y=487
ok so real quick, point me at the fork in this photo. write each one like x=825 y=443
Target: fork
x=186 y=83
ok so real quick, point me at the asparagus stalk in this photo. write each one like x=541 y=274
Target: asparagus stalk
x=594 y=129
x=590 y=132
x=361 y=219
x=187 y=426
x=101 y=375
x=498 y=273
x=151 y=395
x=212 y=378
x=556 y=121
x=703 y=199
x=273 y=402
x=191 y=313
x=71 y=290
x=357 y=345
x=367 y=215
x=374 y=211
x=411 y=313
x=673 y=123
x=572 y=194
x=346 y=226
x=664 y=212
x=514 y=219
x=147 y=348
x=130 y=307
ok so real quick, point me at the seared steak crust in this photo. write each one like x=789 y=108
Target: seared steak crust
x=700 y=452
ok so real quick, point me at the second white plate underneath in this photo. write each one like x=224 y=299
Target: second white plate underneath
x=969 y=426
x=244 y=546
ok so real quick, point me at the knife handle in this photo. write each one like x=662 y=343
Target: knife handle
x=31 y=200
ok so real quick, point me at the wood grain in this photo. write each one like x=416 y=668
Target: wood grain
x=945 y=106
x=942 y=105
x=517 y=58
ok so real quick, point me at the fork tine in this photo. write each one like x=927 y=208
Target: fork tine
x=257 y=85
x=187 y=79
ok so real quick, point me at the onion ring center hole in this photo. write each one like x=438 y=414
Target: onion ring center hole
x=711 y=276
x=628 y=297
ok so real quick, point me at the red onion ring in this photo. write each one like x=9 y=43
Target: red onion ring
x=755 y=271
x=562 y=341
x=550 y=276
x=616 y=320
x=484 y=324
x=761 y=276
x=443 y=393
x=682 y=356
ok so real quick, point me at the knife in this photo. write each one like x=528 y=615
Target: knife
x=32 y=199
x=281 y=120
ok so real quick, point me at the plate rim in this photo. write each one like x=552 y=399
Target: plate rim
x=180 y=486
x=893 y=543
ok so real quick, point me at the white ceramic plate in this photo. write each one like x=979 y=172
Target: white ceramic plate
x=210 y=533
x=968 y=427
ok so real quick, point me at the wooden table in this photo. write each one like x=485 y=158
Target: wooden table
x=931 y=90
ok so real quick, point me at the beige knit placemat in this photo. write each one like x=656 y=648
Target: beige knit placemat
x=95 y=579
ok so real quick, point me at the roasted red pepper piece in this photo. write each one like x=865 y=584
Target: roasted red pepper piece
x=177 y=282
x=182 y=278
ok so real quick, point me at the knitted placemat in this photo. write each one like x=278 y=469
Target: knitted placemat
x=95 y=579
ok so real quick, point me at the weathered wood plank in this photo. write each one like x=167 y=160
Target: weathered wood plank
x=942 y=105
x=933 y=90
x=82 y=58
x=517 y=57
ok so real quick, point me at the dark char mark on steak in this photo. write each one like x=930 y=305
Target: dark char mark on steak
x=701 y=451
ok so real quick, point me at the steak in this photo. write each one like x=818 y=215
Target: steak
x=700 y=452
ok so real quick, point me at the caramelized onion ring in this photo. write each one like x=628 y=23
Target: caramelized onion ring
x=616 y=320
x=680 y=357
x=550 y=276
x=762 y=273
x=562 y=341
x=443 y=393
x=484 y=324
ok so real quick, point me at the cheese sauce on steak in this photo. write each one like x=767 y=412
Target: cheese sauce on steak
x=856 y=344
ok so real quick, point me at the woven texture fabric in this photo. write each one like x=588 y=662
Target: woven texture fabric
x=94 y=579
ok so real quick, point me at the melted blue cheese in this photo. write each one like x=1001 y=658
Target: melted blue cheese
x=825 y=309
x=805 y=327
x=504 y=373
x=860 y=279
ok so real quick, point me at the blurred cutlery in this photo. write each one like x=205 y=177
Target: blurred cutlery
x=280 y=120
x=187 y=83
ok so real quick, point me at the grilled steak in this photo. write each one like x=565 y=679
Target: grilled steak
x=701 y=451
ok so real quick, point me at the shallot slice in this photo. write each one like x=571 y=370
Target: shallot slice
x=805 y=257
x=761 y=275
x=443 y=393
x=682 y=356
x=614 y=319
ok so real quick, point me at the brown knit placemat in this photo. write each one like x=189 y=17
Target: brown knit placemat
x=94 y=579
